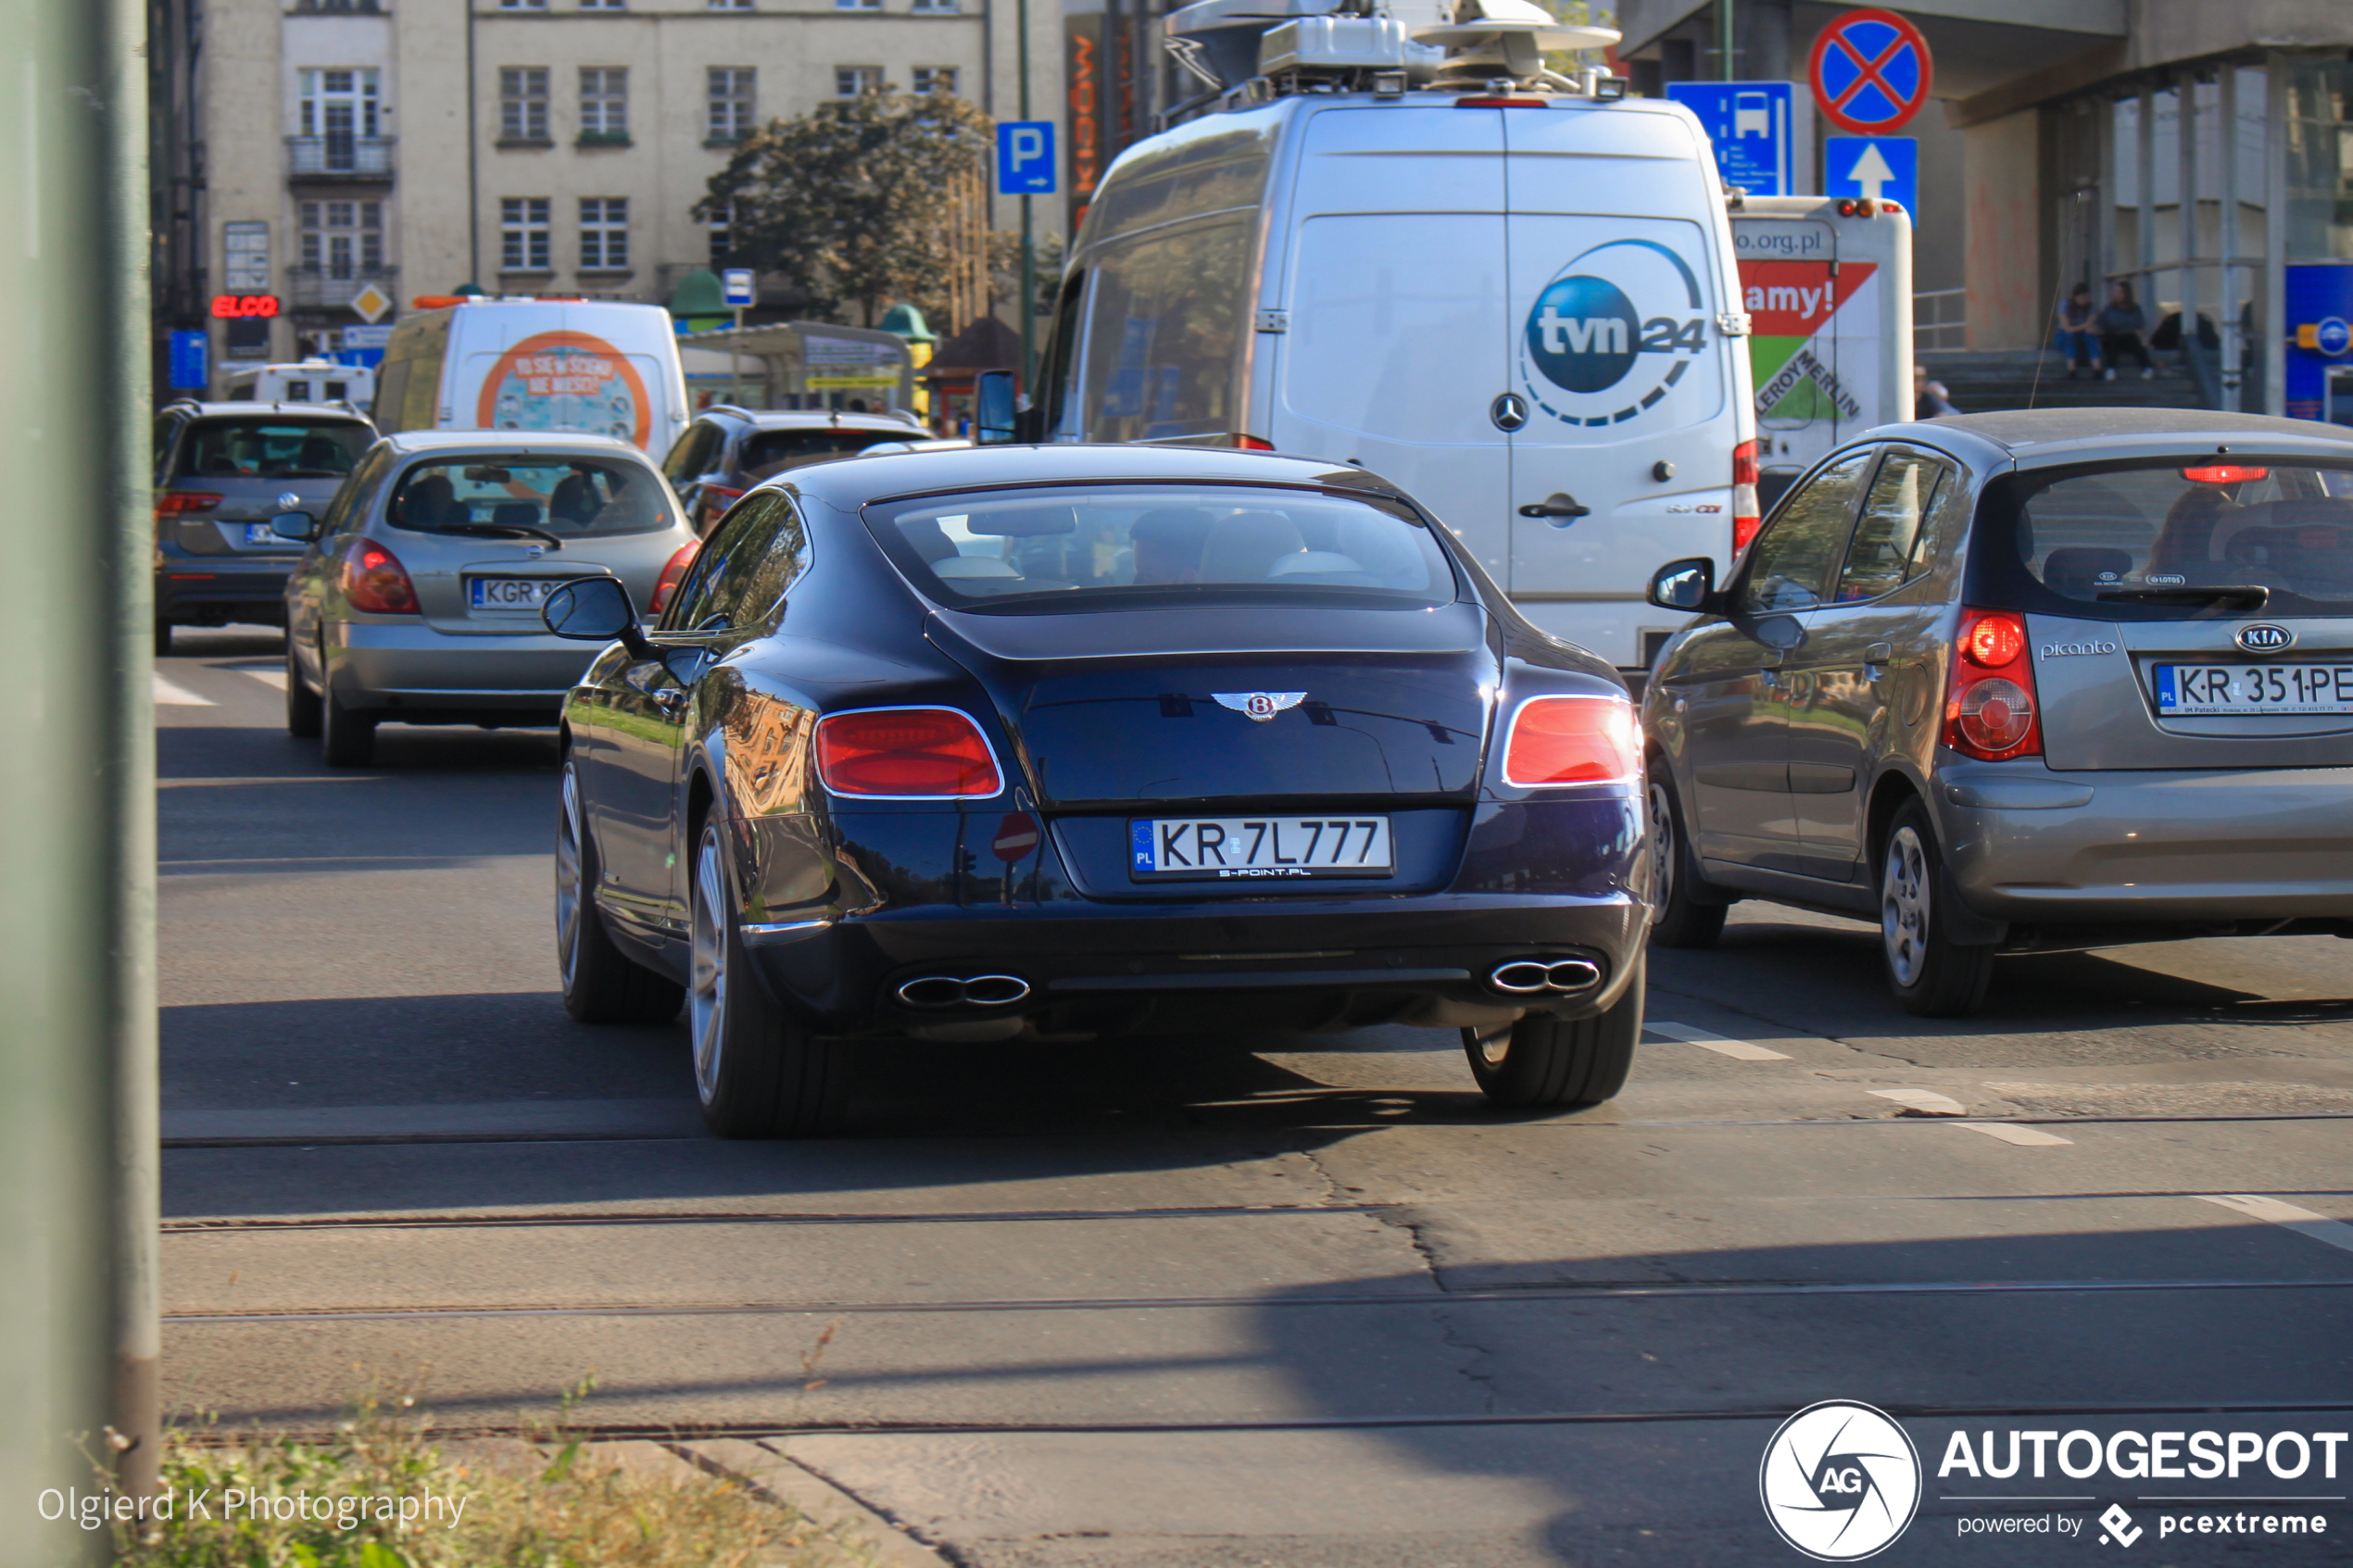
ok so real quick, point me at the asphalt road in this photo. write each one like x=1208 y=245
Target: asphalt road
x=1283 y=1300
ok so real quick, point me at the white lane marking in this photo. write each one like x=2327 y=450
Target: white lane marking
x=1740 y=1050
x=2287 y=1216
x=1927 y=1101
x=169 y=692
x=268 y=677
x=2010 y=1131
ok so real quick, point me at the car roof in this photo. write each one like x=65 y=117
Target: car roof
x=308 y=411
x=854 y=481
x=521 y=442
x=2034 y=437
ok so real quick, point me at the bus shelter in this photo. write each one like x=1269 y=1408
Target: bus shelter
x=800 y=364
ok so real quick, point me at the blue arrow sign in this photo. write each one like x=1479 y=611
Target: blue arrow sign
x=1749 y=123
x=1883 y=168
x=1026 y=158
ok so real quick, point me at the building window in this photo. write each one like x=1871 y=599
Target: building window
x=730 y=107
x=934 y=79
x=523 y=104
x=721 y=226
x=523 y=5
x=337 y=105
x=937 y=7
x=604 y=233
x=850 y=81
x=342 y=239
x=523 y=234
x=604 y=5
x=246 y=257
x=604 y=103
x=728 y=4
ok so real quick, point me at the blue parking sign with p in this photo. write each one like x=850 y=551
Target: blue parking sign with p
x=1026 y=158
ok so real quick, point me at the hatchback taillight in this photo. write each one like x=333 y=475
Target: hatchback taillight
x=171 y=503
x=1572 y=740
x=1747 y=516
x=906 y=754
x=1989 y=712
x=673 y=571
x=1252 y=442
x=375 y=581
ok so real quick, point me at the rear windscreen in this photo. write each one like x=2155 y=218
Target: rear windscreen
x=2201 y=539
x=767 y=452
x=1042 y=551
x=491 y=495
x=272 y=448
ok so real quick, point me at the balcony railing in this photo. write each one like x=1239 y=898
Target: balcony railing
x=339 y=158
x=328 y=288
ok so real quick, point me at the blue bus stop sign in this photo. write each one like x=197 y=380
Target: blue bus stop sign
x=191 y=360
x=1749 y=123
x=1026 y=158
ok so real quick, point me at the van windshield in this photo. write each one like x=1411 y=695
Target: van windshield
x=272 y=448
x=1101 y=549
x=516 y=497
x=2173 y=541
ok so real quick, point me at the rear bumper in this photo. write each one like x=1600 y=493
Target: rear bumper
x=397 y=669
x=209 y=590
x=2027 y=844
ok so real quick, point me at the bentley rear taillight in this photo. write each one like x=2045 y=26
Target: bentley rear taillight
x=1572 y=740
x=1989 y=712
x=906 y=754
x=375 y=582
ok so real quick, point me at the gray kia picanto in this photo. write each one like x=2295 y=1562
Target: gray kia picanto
x=2021 y=682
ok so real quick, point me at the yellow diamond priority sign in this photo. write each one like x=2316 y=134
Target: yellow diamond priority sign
x=370 y=303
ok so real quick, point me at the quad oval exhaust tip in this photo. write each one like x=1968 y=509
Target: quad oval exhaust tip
x=1529 y=977
x=979 y=990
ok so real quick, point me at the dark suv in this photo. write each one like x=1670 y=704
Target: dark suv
x=222 y=470
x=728 y=450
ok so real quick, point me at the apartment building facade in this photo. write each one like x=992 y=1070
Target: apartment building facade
x=348 y=155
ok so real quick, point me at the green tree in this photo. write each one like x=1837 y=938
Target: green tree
x=847 y=201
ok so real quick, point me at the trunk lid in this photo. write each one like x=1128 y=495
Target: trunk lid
x=2097 y=683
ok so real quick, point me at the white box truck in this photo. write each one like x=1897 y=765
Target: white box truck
x=1509 y=291
x=535 y=364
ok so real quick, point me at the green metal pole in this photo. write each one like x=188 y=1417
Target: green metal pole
x=1028 y=248
x=70 y=935
x=1724 y=38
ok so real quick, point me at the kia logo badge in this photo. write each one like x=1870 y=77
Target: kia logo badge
x=2265 y=637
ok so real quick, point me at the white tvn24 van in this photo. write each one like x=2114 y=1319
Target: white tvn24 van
x=1510 y=291
x=536 y=365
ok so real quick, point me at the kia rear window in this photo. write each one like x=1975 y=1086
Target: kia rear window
x=491 y=497
x=263 y=448
x=1100 y=548
x=2197 y=539
x=767 y=452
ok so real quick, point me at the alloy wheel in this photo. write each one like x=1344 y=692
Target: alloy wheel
x=571 y=897
x=1903 y=906
x=1662 y=851
x=707 y=983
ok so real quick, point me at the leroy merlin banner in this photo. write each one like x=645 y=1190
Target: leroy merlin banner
x=1829 y=304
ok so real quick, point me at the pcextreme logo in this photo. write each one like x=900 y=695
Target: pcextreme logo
x=1840 y=1481
x=1611 y=332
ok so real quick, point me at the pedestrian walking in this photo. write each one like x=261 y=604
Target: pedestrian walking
x=2079 y=334
x=2124 y=330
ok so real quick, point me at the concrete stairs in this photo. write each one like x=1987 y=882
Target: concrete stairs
x=1985 y=381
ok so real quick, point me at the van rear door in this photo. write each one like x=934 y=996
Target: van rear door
x=1616 y=345
x=1392 y=355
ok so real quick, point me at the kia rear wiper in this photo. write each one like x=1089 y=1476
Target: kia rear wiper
x=2246 y=596
x=498 y=531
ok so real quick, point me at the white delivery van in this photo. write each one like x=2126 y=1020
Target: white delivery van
x=1509 y=291
x=306 y=380
x=1827 y=282
x=535 y=364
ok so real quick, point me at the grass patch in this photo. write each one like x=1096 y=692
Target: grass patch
x=382 y=1492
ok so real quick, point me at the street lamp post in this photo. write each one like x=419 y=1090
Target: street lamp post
x=1029 y=253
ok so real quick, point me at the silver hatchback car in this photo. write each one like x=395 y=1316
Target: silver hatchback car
x=418 y=600
x=2021 y=682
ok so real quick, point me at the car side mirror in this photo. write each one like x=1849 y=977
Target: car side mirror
x=301 y=527
x=996 y=420
x=1688 y=585
x=595 y=609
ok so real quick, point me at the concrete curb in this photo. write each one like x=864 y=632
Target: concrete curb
x=820 y=1499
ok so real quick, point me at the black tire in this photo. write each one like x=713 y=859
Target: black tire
x=1542 y=1061
x=1685 y=911
x=163 y=639
x=1931 y=974
x=347 y=737
x=304 y=712
x=758 y=1075
x=602 y=984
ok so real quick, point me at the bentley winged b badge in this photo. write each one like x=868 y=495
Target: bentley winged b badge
x=1260 y=706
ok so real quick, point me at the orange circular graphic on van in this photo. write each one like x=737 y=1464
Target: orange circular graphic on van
x=566 y=381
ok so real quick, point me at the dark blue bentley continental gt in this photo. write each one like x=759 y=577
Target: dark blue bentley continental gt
x=1072 y=742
